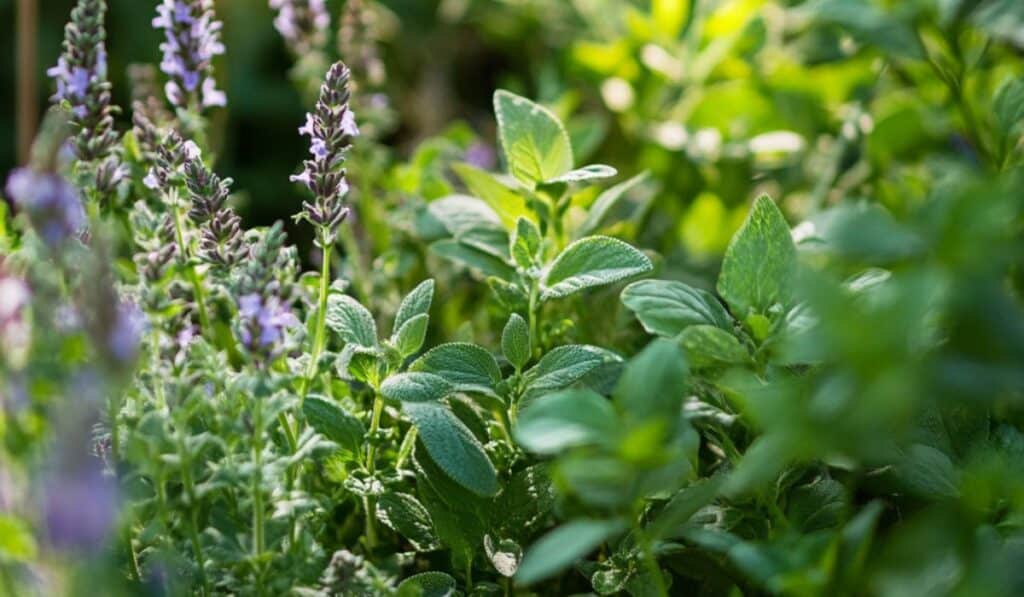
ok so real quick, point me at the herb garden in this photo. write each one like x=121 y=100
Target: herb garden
x=613 y=297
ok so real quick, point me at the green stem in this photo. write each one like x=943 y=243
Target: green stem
x=257 y=478
x=371 y=448
x=193 y=529
x=406 y=448
x=532 y=315
x=320 y=333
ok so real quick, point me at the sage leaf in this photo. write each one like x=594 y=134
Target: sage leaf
x=707 y=346
x=667 y=307
x=460 y=363
x=592 y=261
x=334 y=423
x=405 y=515
x=562 y=367
x=566 y=419
x=415 y=303
x=416 y=386
x=453 y=447
x=428 y=584
x=515 y=341
x=350 y=320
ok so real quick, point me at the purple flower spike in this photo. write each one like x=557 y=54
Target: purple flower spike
x=331 y=128
x=302 y=23
x=81 y=78
x=191 y=41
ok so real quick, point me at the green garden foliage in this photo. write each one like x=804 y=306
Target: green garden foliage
x=718 y=297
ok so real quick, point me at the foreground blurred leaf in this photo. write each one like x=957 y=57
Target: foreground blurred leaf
x=563 y=546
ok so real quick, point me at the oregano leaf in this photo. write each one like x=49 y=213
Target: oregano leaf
x=453 y=447
x=350 y=320
x=667 y=307
x=759 y=263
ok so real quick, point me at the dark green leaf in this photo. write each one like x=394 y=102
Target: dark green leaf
x=563 y=367
x=453 y=447
x=515 y=341
x=460 y=363
x=416 y=386
x=405 y=515
x=334 y=423
x=553 y=423
x=759 y=262
x=427 y=584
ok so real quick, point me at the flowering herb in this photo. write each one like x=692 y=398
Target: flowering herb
x=302 y=23
x=514 y=378
x=82 y=85
x=191 y=42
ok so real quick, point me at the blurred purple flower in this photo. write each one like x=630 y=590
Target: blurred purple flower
x=14 y=329
x=302 y=23
x=125 y=333
x=481 y=155
x=263 y=321
x=51 y=203
x=80 y=507
x=191 y=41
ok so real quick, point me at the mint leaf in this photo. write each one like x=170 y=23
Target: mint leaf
x=667 y=307
x=759 y=262
x=592 y=261
x=535 y=143
x=409 y=338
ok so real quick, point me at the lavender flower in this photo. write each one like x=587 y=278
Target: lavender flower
x=125 y=333
x=81 y=76
x=52 y=204
x=302 y=23
x=331 y=127
x=192 y=40
x=168 y=171
x=263 y=321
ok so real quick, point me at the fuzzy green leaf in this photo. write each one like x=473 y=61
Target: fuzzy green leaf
x=453 y=447
x=350 y=320
x=606 y=202
x=759 y=262
x=525 y=244
x=415 y=303
x=416 y=386
x=667 y=307
x=334 y=423
x=515 y=341
x=592 y=261
x=410 y=337
x=472 y=258
x=461 y=363
x=506 y=203
x=536 y=145
x=562 y=367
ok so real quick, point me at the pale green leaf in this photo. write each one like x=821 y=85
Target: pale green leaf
x=707 y=346
x=566 y=419
x=416 y=386
x=606 y=202
x=667 y=307
x=592 y=261
x=759 y=262
x=350 y=320
x=506 y=203
x=409 y=338
x=563 y=546
x=535 y=143
x=591 y=172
